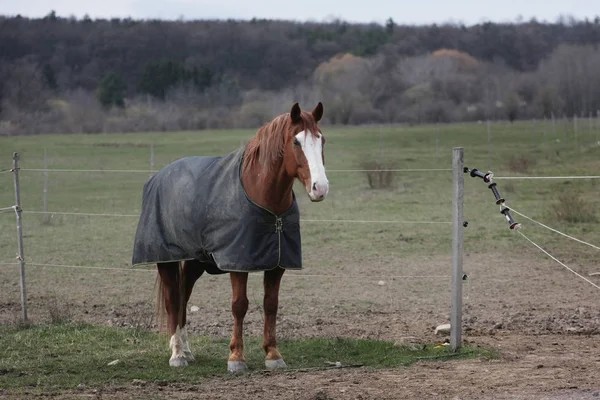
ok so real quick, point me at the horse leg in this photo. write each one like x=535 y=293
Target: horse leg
x=192 y=270
x=170 y=276
x=272 y=280
x=239 y=307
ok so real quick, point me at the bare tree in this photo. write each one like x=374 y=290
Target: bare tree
x=342 y=82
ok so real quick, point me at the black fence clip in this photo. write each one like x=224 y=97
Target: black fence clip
x=511 y=222
x=487 y=178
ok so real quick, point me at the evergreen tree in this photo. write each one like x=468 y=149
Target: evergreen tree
x=111 y=91
x=49 y=77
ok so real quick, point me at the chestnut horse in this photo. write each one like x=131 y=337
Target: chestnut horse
x=287 y=148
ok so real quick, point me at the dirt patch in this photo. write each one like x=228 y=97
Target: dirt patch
x=543 y=321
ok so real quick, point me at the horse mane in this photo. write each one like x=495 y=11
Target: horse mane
x=267 y=146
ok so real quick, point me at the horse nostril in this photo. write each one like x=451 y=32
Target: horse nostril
x=314 y=186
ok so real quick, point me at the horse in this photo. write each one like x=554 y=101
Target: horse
x=234 y=214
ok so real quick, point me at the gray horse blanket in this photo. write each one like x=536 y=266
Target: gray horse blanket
x=197 y=208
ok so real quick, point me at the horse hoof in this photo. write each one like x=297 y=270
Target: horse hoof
x=189 y=356
x=178 y=362
x=236 y=366
x=275 y=364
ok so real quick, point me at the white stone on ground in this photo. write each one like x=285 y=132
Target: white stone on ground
x=443 y=329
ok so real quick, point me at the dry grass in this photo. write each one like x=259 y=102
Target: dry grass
x=378 y=174
x=520 y=164
x=141 y=319
x=59 y=311
x=572 y=207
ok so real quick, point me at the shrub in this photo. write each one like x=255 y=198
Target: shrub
x=520 y=164
x=571 y=207
x=59 y=311
x=379 y=175
x=141 y=318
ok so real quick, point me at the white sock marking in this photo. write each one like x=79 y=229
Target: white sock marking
x=177 y=345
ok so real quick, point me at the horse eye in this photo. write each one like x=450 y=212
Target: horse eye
x=296 y=142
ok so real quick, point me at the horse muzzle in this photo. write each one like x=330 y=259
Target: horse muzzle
x=318 y=191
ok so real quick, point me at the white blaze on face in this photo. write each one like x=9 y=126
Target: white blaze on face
x=313 y=151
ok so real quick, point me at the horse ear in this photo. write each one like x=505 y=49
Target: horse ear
x=318 y=112
x=295 y=113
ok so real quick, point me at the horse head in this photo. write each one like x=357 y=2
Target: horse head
x=303 y=153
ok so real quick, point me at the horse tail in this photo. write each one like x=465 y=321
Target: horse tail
x=161 y=310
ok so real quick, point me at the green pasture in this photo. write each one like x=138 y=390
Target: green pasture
x=514 y=149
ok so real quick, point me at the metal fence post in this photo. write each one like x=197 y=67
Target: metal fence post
x=544 y=125
x=489 y=134
x=597 y=126
x=554 y=135
x=575 y=133
x=458 y=183
x=45 y=217
x=21 y=255
x=380 y=145
x=437 y=143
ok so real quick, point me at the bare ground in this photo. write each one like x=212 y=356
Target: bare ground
x=543 y=321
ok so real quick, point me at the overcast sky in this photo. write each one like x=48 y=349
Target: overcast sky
x=402 y=11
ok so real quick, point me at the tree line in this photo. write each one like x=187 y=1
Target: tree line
x=83 y=75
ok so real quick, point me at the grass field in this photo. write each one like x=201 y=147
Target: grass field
x=416 y=196
x=38 y=356
x=342 y=298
